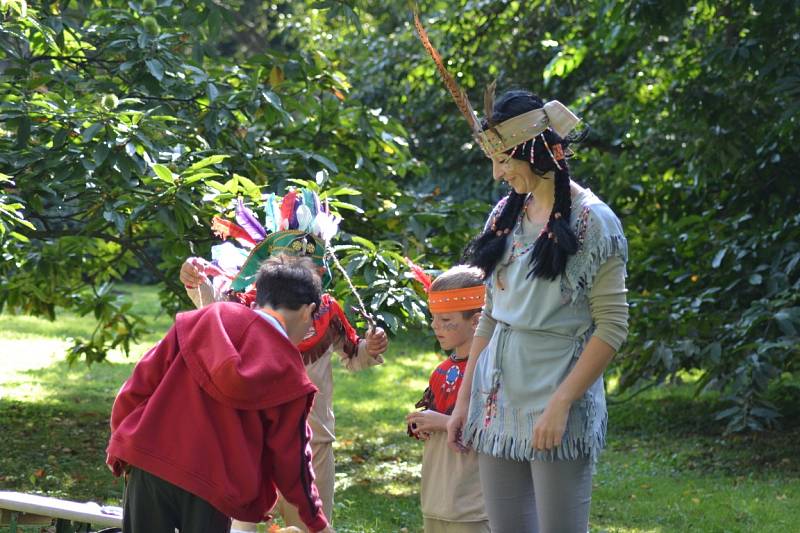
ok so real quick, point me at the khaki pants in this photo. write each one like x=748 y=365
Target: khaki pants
x=441 y=526
x=324 y=477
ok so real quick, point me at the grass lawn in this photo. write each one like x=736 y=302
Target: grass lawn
x=667 y=467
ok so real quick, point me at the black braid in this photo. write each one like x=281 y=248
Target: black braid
x=549 y=255
x=485 y=250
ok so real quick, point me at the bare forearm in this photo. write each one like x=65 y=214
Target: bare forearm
x=592 y=362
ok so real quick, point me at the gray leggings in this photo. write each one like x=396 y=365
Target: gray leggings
x=536 y=496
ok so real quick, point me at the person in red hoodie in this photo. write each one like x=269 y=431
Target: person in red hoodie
x=213 y=420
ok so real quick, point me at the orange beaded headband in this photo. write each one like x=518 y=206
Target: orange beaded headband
x=456 y=299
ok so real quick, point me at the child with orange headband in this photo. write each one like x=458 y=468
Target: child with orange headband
x=451 y=496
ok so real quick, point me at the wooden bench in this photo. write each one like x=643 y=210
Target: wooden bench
x=17 y=508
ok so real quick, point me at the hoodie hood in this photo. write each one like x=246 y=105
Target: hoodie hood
x=239 y=358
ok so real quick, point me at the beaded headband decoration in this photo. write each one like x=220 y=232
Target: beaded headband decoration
x=499 y=138
x=457 y=299
x=450 y=300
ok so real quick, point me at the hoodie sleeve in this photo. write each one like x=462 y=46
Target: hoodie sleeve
x=145 y=378
x=288 y=438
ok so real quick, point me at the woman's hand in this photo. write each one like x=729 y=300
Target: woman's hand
x=377 y=341
x=456 y=424
x=427 y=422
x=549 y=429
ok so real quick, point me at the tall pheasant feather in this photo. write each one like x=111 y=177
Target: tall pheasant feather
x=458 y=94
x=488 y=102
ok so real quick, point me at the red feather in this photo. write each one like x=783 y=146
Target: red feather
x=225 y=228
x=420 y=275
x=287 y=209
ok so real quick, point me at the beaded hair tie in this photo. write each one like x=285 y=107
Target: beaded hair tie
x=559 y=152
x=496 y=231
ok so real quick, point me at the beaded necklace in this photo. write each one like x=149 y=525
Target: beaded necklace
x=519 y=248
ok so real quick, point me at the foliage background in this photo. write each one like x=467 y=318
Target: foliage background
x=125 y=125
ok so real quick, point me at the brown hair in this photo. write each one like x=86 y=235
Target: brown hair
x=288 y=281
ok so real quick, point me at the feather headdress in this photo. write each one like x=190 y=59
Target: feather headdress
x=506 y=135
x=295 y=224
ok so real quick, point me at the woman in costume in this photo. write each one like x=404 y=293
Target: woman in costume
x=532 y=403
x=297 y=224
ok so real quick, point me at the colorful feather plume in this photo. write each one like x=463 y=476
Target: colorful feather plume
x=420 y=275
x=458 y=94
x=272 y=213
x=225 y=228
x=248 y=221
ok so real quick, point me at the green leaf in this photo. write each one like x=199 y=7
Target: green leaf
x=364 y=242
x=325 y=161
x=273 y=100
x=207 y=161
x=164 y=173
x=23 y=132
x=156 y=68
x=718 y=258
x=212 y=92
x=199 y=176
x=339 y=191
x=91 y=131
x=100 y=153
x=20 y=237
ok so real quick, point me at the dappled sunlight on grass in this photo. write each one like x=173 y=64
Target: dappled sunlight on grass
x=43 y=375
x=667 y=468
x=28 y=327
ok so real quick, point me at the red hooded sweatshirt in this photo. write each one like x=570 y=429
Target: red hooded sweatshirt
x=218 y=407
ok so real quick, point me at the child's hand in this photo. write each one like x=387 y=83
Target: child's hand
x=377 y=341
x=427 y=421
x=191 y=273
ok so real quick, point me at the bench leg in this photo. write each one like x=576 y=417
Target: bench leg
x=64 y=526
x=12 y=523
